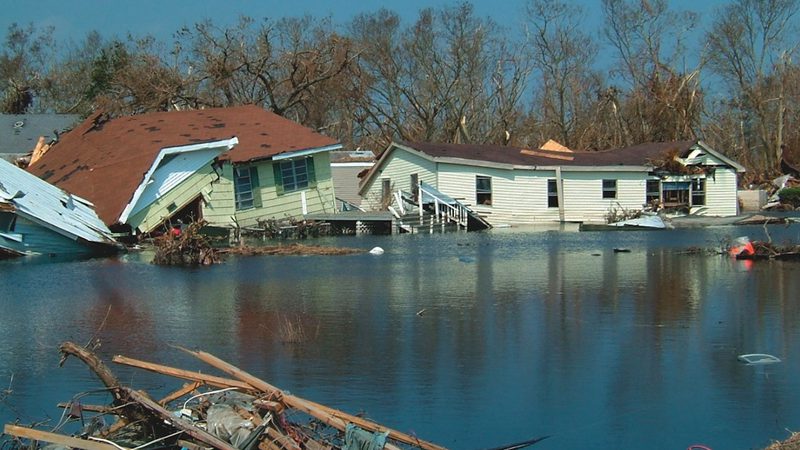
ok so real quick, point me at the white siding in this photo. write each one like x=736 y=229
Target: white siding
x=583 y=194
x=518 y=196
x=721 y=190
x=398 y=169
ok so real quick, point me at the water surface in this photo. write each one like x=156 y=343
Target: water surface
x=467 y=340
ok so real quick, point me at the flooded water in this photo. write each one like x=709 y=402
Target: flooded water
x=467 y=340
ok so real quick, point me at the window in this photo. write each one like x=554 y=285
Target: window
x=483 y=190
x=294 y=174
x=699 y=192
x=552 y=194
x=609 y=188
x=653 y=192
x=245 y=182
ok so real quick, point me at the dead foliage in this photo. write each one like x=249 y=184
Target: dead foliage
x=793 y=443
x=292 y=249
x=187 y=248
x=670 y=163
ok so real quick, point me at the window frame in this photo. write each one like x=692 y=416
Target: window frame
x=652 y=196
x=552 y=193
x=699 y=191
x=244 y=199
x=608 y=191
x=483 y=194
x=290 y=178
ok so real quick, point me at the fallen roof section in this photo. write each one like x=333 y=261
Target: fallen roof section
x=50 y=207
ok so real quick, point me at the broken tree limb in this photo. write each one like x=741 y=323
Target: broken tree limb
x=181 y=424
x=91 y=360
x=54 y=438
x=335 y=418
x=189 y=375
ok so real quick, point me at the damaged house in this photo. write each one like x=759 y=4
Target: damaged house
x=227 y=166
x=511 y=185
x=37 y=218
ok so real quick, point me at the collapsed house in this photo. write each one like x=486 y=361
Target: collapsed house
x=229 y=167
x=39 y=218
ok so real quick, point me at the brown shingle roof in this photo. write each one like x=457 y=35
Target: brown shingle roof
x=637 y=155
x=104 y=161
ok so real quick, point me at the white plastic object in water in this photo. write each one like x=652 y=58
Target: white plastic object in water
x=758 y=358
x=376 y=251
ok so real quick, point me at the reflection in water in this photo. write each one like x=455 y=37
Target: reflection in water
x=470 y=340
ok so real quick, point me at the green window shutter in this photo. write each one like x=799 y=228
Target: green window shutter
x=312 y=176
x=255 y=186
x=276 y=170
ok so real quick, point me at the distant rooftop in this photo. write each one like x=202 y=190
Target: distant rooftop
x=19 y=133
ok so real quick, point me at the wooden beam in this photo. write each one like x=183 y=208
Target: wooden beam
x=186 y=389
x=54 y=438
x=335 y=418
x=189 y=375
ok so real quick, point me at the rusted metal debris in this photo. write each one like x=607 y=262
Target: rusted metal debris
x=237 y=411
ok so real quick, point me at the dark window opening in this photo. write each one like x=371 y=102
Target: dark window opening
x=483 y=190
x=653 y=192
x=699 y=192
x=552 y=194
x=609 y=188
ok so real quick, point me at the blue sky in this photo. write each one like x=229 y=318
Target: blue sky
x=72 y=19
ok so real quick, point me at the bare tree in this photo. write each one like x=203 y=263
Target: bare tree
x=564 y=55
x=663 y=100
x=750 y=48
x=24 y=64
x=274 y=64
x=439 y=79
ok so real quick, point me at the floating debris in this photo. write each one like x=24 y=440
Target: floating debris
x=376 y=251
x=242 y=412
x=758 y=358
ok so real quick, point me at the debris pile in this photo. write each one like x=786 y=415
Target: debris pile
x=237 y=413
x=744 y=248
x=185 y=246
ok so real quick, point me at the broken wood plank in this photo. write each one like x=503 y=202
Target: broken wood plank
x=59 y=439
x=335 y=418
x=210 y=380
x=91 y=408
x=181 y=424
x=186 y=389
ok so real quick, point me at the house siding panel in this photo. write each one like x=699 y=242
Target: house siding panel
x=399 y=168
x=37 y=239
x=320 y=199
x=721 y=198
x=583 y=194
x=518 y=197
x=158 y=211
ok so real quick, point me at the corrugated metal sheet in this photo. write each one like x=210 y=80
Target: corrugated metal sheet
x=50 y=207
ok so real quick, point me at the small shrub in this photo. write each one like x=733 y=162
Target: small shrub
x=790 y=195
